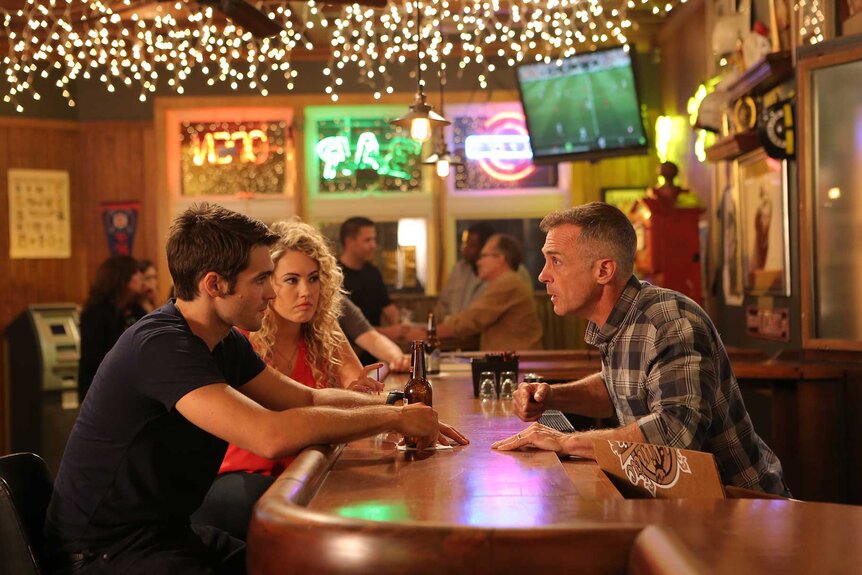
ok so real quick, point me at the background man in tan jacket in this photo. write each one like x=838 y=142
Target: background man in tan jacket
x=504 y=315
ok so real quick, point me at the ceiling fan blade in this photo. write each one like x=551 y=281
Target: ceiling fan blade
x=248 y=17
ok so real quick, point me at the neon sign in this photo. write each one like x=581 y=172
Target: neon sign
x=229 y=158
x=498 y=153
x=498 y=147
x=341 y=158
x=509 y=164
x=220 y=148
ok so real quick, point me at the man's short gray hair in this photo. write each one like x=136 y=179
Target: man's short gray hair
x=605 y=231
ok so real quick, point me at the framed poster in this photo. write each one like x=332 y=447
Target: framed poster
x=765 y=243
x=623 y=198
x=731 y=259
x=39 y=217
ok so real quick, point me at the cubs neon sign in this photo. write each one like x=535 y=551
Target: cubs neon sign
x=503 y=150
x=498 y=147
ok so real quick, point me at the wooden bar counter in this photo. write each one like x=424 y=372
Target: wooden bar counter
x=367 y=508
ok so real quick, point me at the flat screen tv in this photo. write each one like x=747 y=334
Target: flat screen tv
x=583 y=107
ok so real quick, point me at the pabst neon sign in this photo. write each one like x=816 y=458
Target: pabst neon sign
x=340 y=156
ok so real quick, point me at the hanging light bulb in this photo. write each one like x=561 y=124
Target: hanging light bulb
x=420 y=129
x=442 y=159
x=421 y=119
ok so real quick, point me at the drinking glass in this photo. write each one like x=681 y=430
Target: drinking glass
x=508 y=384
x=487 y=385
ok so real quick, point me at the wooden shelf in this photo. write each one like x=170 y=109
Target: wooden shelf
x=770 y=71
x=767 y=73
x=730 y=147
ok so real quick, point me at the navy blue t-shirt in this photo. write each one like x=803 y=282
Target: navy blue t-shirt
x=132 y=459
x=366 y=289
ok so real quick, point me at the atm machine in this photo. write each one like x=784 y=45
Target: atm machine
x=43 y=347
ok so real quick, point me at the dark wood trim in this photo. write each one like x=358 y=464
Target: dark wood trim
x=730 y=147
x=12 y=122
x=765 y=74
x=811 y=59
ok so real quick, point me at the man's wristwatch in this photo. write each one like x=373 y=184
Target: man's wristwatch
x=394 y=396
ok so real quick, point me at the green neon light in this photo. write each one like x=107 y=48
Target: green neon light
x=335 y=153
x=375 y=511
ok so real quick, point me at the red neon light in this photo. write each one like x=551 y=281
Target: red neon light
x=507 y=170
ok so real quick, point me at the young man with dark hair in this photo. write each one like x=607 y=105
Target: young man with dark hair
x=665 y=372
x=362 y=280
x=175 y=389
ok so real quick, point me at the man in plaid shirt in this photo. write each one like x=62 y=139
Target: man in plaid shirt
x=665 y=371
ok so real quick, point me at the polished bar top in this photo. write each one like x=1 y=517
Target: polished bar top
x=368 y=508
x=482 y=486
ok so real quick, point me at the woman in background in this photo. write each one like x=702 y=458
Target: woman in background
x=300 y=338
x=112 y=306
x=150 y=296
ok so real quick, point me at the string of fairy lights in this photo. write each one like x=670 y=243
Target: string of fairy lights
x=482 y=31
x=150 y=47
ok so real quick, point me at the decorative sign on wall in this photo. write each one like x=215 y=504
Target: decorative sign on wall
x=494 y=144
x=366 y=154
x=228 y=158
x=39 y=218
x=120 y=221
x=768 y=323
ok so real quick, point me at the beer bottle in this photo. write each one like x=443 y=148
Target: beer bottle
x=432 y=347
x=418 y=388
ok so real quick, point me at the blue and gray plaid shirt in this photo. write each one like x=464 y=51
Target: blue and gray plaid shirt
x=666 y=368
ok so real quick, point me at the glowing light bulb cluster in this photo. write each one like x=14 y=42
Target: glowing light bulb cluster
x=156 y=46
x=812 y=21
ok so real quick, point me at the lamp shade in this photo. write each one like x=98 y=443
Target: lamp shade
x=443 y=161
x=443 y=156
x=420 y=119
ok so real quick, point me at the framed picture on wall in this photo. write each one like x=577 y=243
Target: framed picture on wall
x=731 y=253
x=762 y=183
x=623 y=198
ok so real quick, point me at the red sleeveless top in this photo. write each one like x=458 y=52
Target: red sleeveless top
x=237 y=459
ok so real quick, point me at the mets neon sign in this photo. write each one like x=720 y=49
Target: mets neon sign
x=221 y=148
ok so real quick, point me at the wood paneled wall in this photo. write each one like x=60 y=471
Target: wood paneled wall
x=588 y=178
x=120 y=166
x=30 y=144
x=106 y=162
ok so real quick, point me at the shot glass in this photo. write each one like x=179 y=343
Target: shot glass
x=487 y=385
x=508 y=384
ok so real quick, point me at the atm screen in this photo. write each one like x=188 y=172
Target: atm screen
x=58 y=329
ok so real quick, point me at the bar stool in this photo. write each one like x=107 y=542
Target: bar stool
x=26 y=486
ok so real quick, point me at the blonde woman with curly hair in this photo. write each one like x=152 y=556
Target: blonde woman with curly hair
x=299 y=337
x=300 y=330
